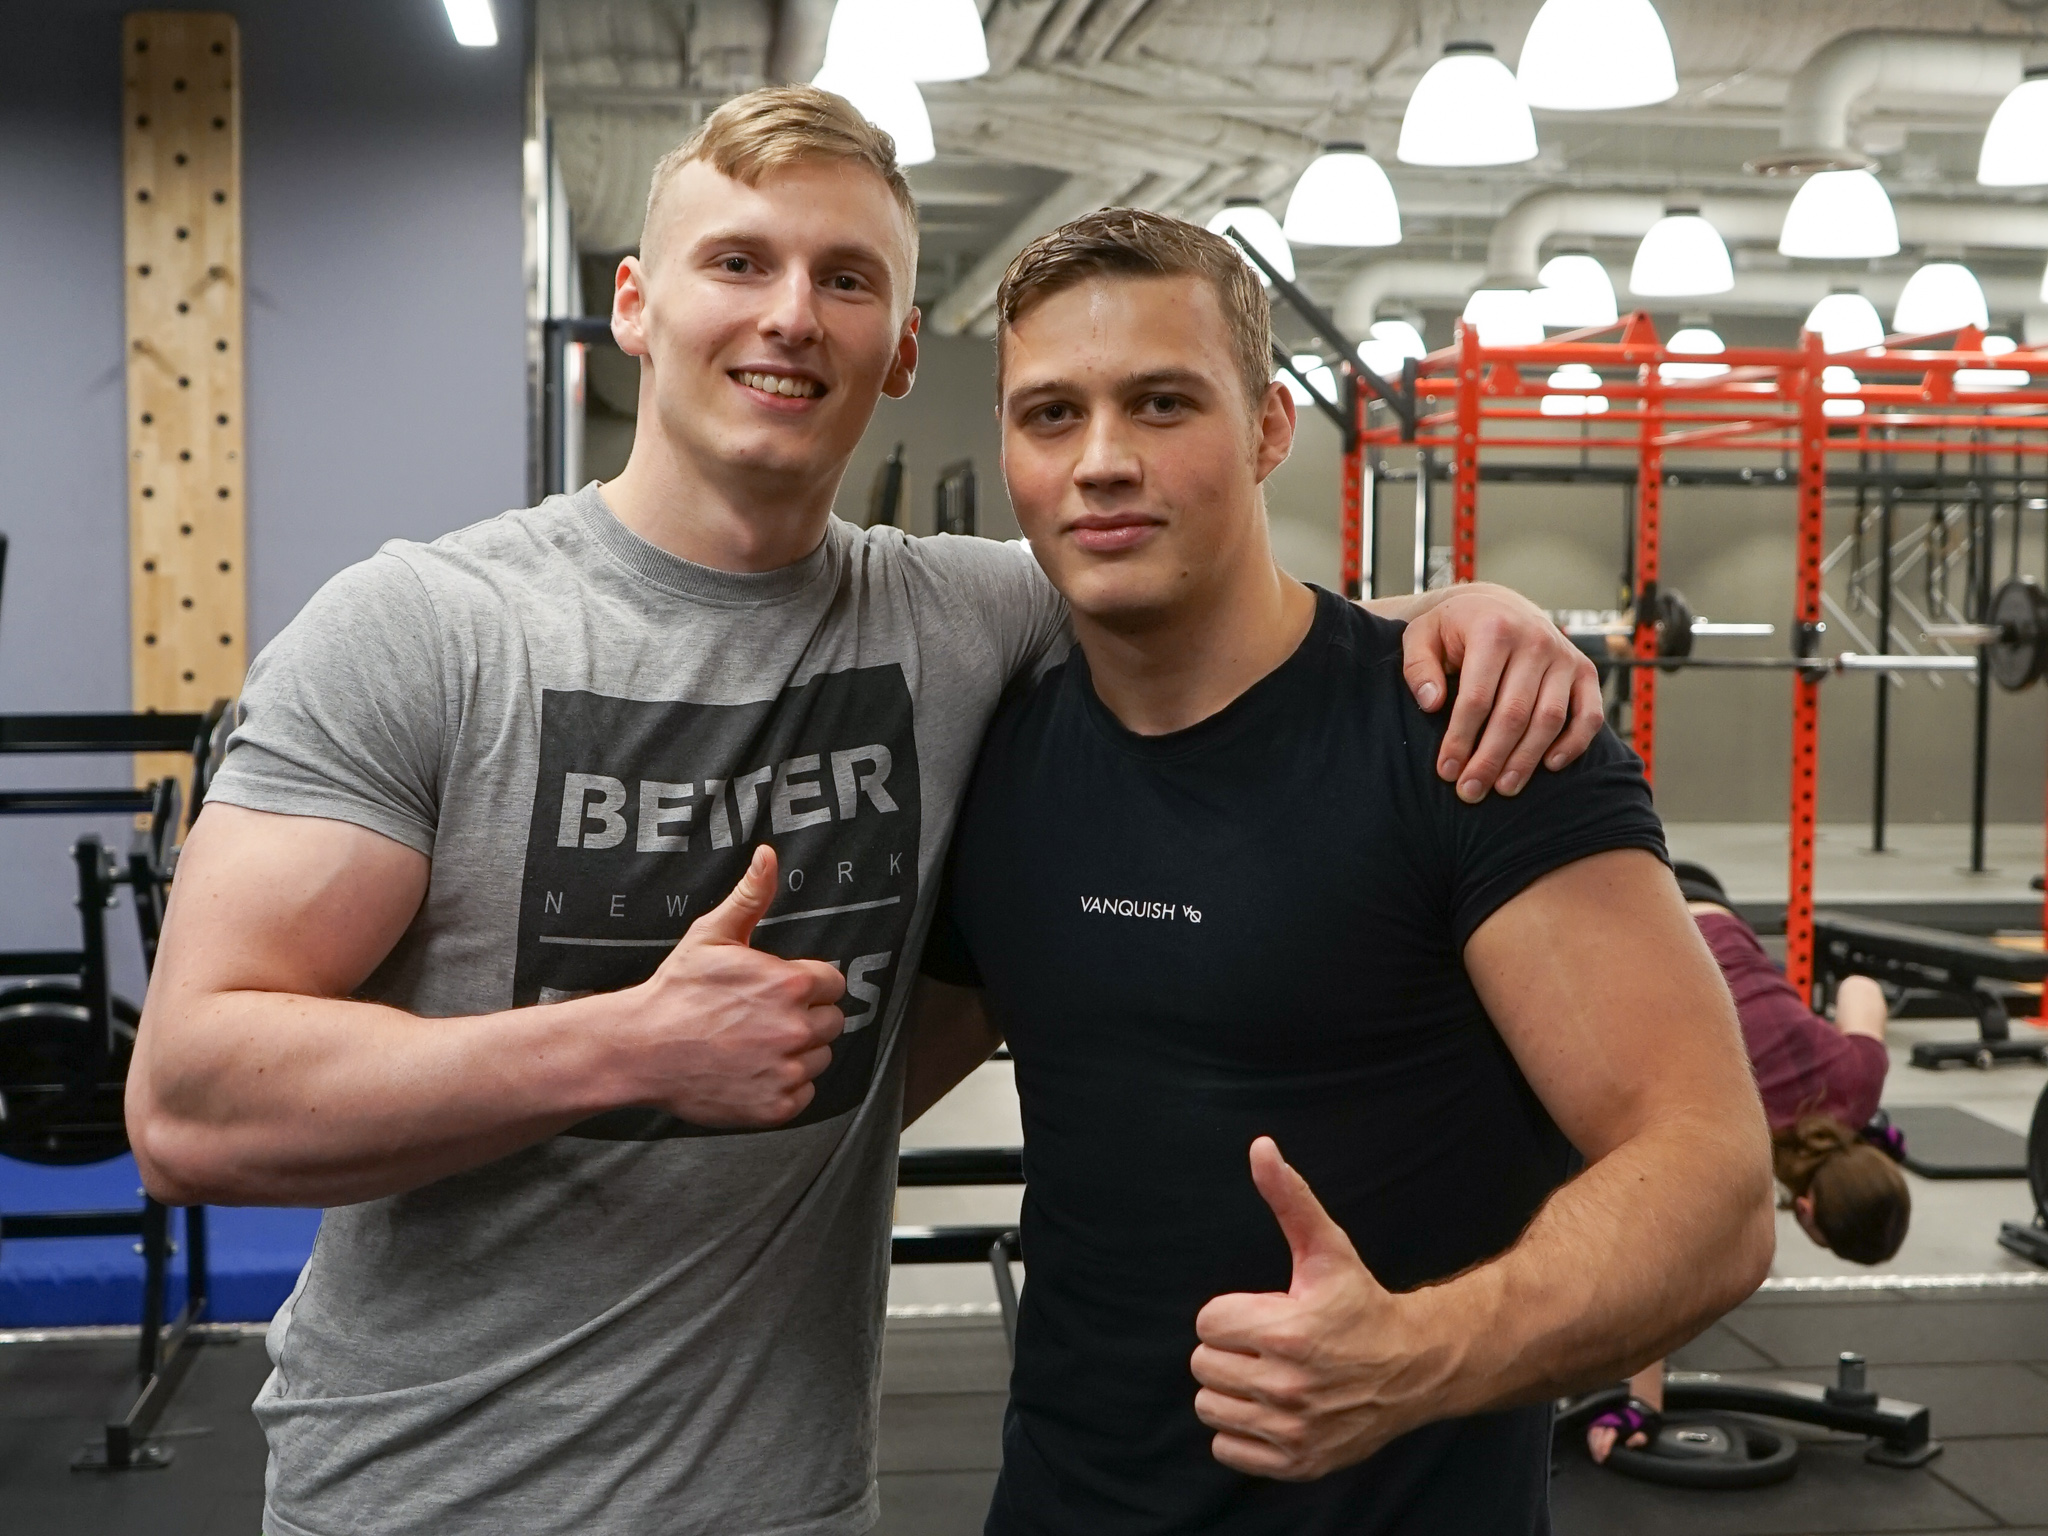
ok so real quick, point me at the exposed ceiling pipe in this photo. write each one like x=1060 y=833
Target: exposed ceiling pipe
x=1814 y=133
x=976 y=291
x=1447 y=284
x=1514 y=249
x=797 y=51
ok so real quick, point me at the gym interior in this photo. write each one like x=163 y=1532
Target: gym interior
x=1718 y=330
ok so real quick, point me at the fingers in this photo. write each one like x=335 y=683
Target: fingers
x=1257 y=1458
x=732 y=920
x=1548 y=719
x=827 y=983
x=1245 y=1322
x=1599 y=1441
x=1422 y=663
x=1589 y=713
x=827 y=1022
x=1479 y=676
x=1315 y=1241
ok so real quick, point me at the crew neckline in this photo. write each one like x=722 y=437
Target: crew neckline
x=1228 y=721
x=685 y=578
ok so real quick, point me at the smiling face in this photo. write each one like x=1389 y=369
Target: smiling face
x=769 y=319
x=1132 y=451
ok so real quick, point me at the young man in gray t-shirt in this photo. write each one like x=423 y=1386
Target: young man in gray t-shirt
x=606 y=1246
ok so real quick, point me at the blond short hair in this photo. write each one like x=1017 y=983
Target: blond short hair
x=779 y=126
x=1132 y=242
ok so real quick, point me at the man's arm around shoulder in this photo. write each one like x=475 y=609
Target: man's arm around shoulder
x=258 y=1080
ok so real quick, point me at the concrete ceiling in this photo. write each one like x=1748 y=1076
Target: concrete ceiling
x=1178 y=104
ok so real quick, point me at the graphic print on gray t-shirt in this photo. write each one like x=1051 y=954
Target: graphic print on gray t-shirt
x=644 y=817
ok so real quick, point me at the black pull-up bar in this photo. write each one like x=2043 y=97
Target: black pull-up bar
x=1402 y=404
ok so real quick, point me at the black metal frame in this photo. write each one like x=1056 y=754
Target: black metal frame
x=556 y=334
x=1948 y=965
x=163 y=1355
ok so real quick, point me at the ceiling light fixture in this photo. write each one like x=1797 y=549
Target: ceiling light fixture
x=1504 y=317
x=1574 y=376
x=1840 y=381
x=1468 y=110
x=1311 y=367
x=1694 y=340
x=2015 y=152
x=1401 y=335
x=924 y=39
x=473 y=23
x=1248 y=215
x=1941 y=296
x=889 y=100
x=1682 y=255
x=1845 y=321
x=1840 y=214
x=1576 y=292
x=1596 y=56
x=1343 y=198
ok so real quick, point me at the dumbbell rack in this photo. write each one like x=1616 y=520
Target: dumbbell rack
x=163 y=1355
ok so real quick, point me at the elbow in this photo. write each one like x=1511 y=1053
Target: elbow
x=1754 y=1242
x=171 y=1154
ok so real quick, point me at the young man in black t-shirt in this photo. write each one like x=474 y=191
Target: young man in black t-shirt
x=1209 y=886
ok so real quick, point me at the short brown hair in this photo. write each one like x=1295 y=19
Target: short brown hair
x=779 y=126
x=1132 y=242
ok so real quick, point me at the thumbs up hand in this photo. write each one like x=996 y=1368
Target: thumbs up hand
x=1300 y=1383
x=723 y=1034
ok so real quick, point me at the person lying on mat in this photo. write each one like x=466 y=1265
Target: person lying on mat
x=1833 y=1152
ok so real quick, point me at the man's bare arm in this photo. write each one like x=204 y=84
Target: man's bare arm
x=1614 y=1009
x=258 y=1081
x=1526 y=694
x=948 y=1035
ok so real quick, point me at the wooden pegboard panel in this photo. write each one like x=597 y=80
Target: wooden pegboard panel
x=182 y=189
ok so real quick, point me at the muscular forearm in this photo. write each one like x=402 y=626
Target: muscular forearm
x=274 y=1099
x=1622 y=1265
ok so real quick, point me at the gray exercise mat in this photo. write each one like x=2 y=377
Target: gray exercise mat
x=1943 y=1142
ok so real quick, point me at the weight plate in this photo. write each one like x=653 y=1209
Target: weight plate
x=2019 y=657
x=1674 y=624
x=1711 y=1450
x=55 y=1112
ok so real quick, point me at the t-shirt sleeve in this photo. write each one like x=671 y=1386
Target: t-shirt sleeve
x=344 y=713
x=1023 y=617
x=1501 y=846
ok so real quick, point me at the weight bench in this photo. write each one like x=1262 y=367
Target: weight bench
x=1950 y=965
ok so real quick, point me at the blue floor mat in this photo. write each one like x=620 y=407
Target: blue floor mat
x=254 y=1253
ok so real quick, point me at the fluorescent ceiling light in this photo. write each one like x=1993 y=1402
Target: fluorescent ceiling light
x=1574 y=376
x=1261 y=229
x=1695 y=340
x=1840 y=214
x=1383 y=358
x=1595 y=56
x=2015 y=152
x=1400 y=335
x=1576 y=291
x=1504 y=317
x=475 y=26
x=1941 y=296
x=1468 y=110
x=892 y=102
x=924 y=39
x=1998 y=346
x=1343 y=198
x=1993 y=378
x=1682 y=255
x=1846 y=322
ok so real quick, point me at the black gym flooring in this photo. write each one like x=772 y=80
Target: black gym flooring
x=1979 y=1360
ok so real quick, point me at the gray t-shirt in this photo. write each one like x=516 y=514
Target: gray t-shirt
x=639 y=1327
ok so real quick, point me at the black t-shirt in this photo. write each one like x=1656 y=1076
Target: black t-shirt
x=1251 y=926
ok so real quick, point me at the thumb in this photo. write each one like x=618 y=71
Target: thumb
x=732 y=920
x=1317 y=1243
x=1424 y=656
